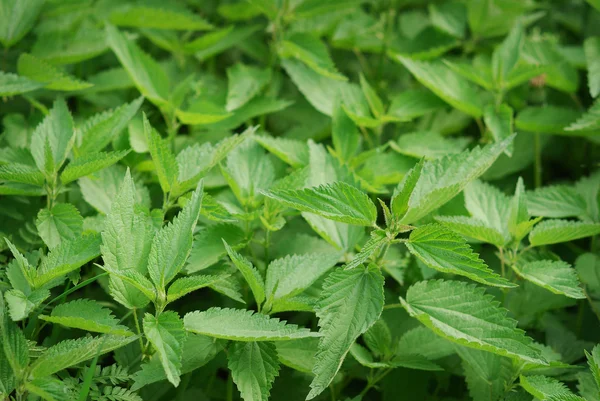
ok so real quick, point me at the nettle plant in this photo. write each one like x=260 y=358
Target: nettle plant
x=289 y=200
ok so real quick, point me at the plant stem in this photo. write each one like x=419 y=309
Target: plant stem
x=538 y=160
x=501 y=249
x=267 y=245
x=392 y=306
x=137 y=328
x=373 y=382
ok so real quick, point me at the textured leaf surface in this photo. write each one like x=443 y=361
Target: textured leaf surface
x=556 y=201
x=556 y=276
x=90 y=163
x=185 y=285
x=350 y=303
x=13 y=84
x=556 y=231
x=463 y=314
x=547 y=388
x=242 y=325
x=62 y=222
x=254 y=366
x=250 y=273
x=441 y=249
x=167 y=336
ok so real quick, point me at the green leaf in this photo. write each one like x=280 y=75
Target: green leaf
x=250 y=273
x=172 y=245
x=89 y=315
x=244 y=82
x=185 y=285
x=446 y=84
x=72 y=352
x=242 y=325
x=312 y=52
x=428 y=144
x=413 y=103
x=13 y=84
x=546 y=119
x=48 y=388
x=431 y=184
x=298 y=354
x=462 y=313
x=344 y=134
x=470 y=227
x=588 y=121
x=41 y=71
x=100 y=129
x=338 y=201
x=556 y=201
x=375 y=103
x=52 y=140
x=162 y=156
x=17 y=17
x=487 y=375
x=208 y=245
x=506 y=56
x=371 y=247
x=22 y=173
x=202 y=112
x=592 y=55
x=291 y=151
x=593 y=359
x=442 y=250
x=555 y=231
x=343 y=317
x=253 y=366
x=14 y=344
x=215 y=42
x=148 y=76
x=141 y=16
x=90 y=163
x=415 y=361
x=554 y=275
x=167 y=336
x=546 y=388
x=62 y=222
x=450 y=17
x=422 y=341
x=67 y=257
x=500 y=123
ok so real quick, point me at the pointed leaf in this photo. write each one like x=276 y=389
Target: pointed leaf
x=250 y=273
x=244 y=82
x=167 y=336
x=13 y=84
x=90 y=163
x=253 y=366
x=555 y=231
x=546 y=388
x=62 y=222
x=185 y=285
x=554 y=275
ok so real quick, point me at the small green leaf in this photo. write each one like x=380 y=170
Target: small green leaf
x=158 y=17
x=90 y=163
x=62 y=222
x=162 y=156
x=41 y=71
x=556 y=231
x=554 y=275
x=250 y=273
x=310 y=51
x=244 y=82
x=167 y=336
x=253 y=366
x=338 y=201
x=208 y=245
x=13 y=84
x=344 y=133
x=546 y=119
x=506 y=56
x=242 y=325
x=592 y=55
x=547 y=389
x=428 y=144
x=185 y=285
x=500 y=123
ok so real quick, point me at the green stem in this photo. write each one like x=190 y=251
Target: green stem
x=501 y=249
x=538 y=160
x=137 y=328
x=267 y=245
x=392 y=306
x=373 y=382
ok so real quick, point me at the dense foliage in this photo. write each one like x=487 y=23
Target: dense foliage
x=300 y=199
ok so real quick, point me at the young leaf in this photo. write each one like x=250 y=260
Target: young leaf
x=500 y=123
x=556 y=231
x=143 y=16
x=185 y=285
x=172 y=245
x=242 y=325
x=14 y=344
x=13 y=84
x=291 y=151
x=22 y=173
x=90 y=163
x=244 y=82
x=41 y=71
x=462 y=313
x=86 y=314
x=145 y=72
x=344 y=133
x=72 y=352
x=253 y=366
x=592 y=55
x=593 y=359
x=441 y=249
x=556 y=201
x=208 y=245
x=410 y=104
x=62 y=222
x=338 y=201
x=547 y=120
x=506 y=56
x=162 y=156
x=554 y=275
x=343 y=316
x=250 y=273
x=167 y=336
x=487 y=375
x=428 y=144
x=547 y=388
x=312 y=52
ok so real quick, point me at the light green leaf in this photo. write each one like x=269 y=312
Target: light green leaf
x=310 y=51
x=487 y=375
x=172 y=245
x=555 y=231
x=202 y=112
x=446 y=84
x=148 y=76
x=546 y=119
x=592 y=55
x=556 y=201
x=52 y=140
x=589 y=121
x=375 y=103
x=431 y=184
x=344 y=134
x=253 y=366
x=371 y=247
x=21 y=304
x=506 y=55
x=165 y=17
x=208 y=245
x=242 y=325
x=215 y=42
x=48 y=388
x=62 y=222
x=450 y=17
x=17 y=17
x=89 y=315
x=298 y=354
x=41 y=71
x=162 y=156
x=244 y=82
x=22 y=173
x=546 y=388
x=442 y=250
x=414 y=361
x=554 y=275
x=72 y=352
x=185 y=285
x=462 y=313
x=14 y=344
x=291 y=151
x=343 y=317
x=413 y=103
x=100 y=129
x=167 y=336
x=250 y=273
x=90 y=163
x=488 y=204
x=500 y=123
x=470 y=227
x=13 y=84
x=428 y=144
x=338 y=201
x=422 y=341
x=593 y=359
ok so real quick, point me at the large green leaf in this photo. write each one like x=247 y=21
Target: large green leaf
x=556 y=201
x=167 y=336
x=464 y=314
x=242 y=325
x=441 y=249
x=554 y=275
x=338 y=201
x=343 y=316
x=253 y=366
x=556 y=231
